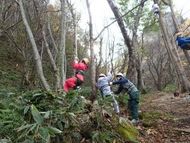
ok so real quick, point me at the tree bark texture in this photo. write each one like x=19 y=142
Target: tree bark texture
x=35 y=50
x=92 y=55
x=52 y=61
x=140 y=83
x=131 y=64
x=74 y=21
x=135 y=44
x=185 y=84
x=51 y=36
x=62 y=55
x=177 y=30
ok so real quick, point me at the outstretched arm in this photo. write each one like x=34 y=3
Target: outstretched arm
x=120 y=88
x=121 y=81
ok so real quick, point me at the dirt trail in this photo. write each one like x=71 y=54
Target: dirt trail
x=172 y=121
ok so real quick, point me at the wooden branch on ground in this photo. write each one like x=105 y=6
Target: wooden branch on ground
x=183 y=130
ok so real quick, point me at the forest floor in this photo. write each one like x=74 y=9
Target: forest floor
x=166 y=119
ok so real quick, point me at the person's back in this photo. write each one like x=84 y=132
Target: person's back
x=132 y=91
x=129 y=86
x=73 y=82
x=105 y=89
x=125 y=84
x=103 y=84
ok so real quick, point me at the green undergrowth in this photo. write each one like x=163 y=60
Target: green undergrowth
x=10 y=75
x=9 y=79
x=152 y=118
x=170 y=88
x=43 y=117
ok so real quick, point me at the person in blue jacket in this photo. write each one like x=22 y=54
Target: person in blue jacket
x=133 y=101
x=183 y=42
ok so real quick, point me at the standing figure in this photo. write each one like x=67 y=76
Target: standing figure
x=133 y=101
x=78 y=79
x=105 y=89
x=80 y=65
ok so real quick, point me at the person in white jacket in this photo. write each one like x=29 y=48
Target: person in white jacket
x=105 y=89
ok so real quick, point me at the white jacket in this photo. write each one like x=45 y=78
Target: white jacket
x=103 y=85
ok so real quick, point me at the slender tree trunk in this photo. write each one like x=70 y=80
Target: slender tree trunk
x=52 y=61
x=92 y=55
x=172 y=66
x=51 y=36
x=101 y=59
x=131 y=64
x=62 y=55
x=140 y=83
x=187 y=56
x=185 y=84
x=35 y=50
x=134 y=39
x=177 y=30
x=106 y=61
x=25 y=79
x=112 y=54
x=75 y=35
x=74 y=18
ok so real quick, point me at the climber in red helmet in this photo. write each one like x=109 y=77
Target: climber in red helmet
x=78 y=79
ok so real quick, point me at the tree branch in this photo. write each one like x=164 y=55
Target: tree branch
x=105 y=27
x=165 y=2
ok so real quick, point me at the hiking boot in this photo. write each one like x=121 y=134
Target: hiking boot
x=134 y=121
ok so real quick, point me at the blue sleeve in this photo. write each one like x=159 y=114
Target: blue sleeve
x=187 y=40
x=183 y=40
x=121 y=81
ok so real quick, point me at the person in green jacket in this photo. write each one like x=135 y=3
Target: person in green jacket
x=133 y=101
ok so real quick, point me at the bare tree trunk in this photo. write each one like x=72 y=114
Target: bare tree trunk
x=171 y=60
x=187 y=56
x=51 y=35
x=25 y=79
x=101 y=59
x=177 y=29
x=185 y=84
x=74 y=17
x=106 y=60
x=112 y=54
x=92 y=56
x=131 y=64
x=62 y=55
x=75 y=35
x=140 y=83
x=134 y=38
x=35 y=50
x=52 y=61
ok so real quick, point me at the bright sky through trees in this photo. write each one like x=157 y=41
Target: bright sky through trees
x=102 y=15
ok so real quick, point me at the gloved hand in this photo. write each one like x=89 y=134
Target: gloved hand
x=76 y=58
x=110 y=83
x=78 y=88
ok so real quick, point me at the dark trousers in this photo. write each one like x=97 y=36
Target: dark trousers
x=133 y=104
